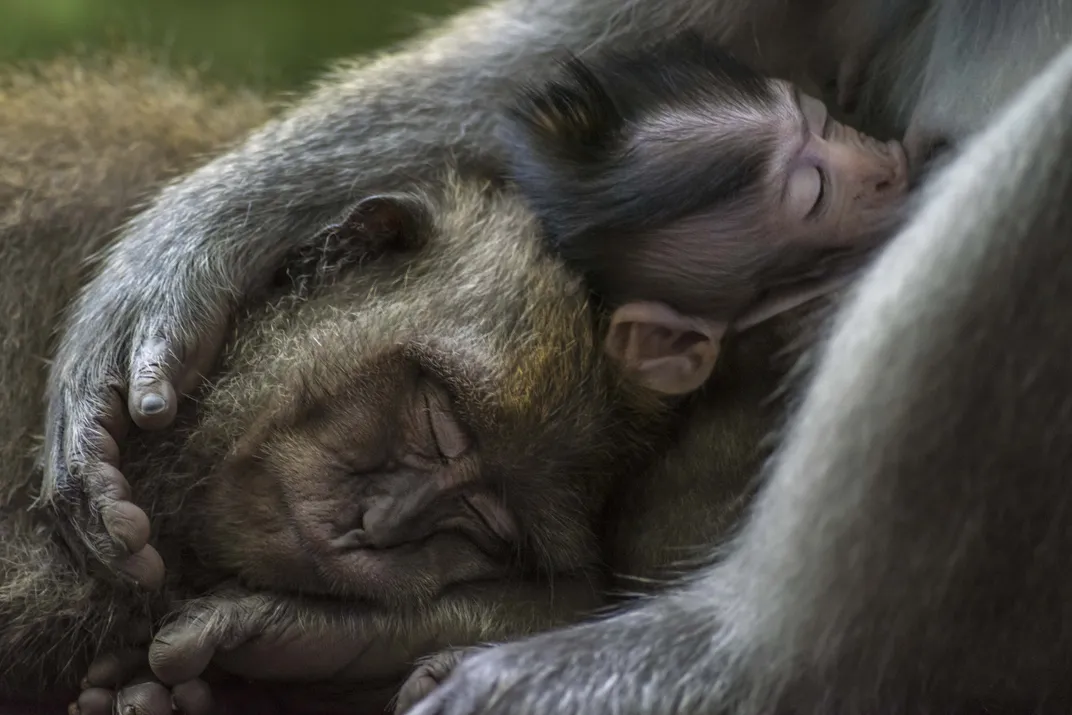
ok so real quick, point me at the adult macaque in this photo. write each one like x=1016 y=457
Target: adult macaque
x=144 y=325
x=686 y=186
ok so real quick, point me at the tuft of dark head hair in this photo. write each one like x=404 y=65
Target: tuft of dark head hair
x=571 y=151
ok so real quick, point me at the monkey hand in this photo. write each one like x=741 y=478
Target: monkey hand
x=271 y=637
x=598 y=668
x=112 y=368
x=429 y=673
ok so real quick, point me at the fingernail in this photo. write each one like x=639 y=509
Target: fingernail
x=153 y=404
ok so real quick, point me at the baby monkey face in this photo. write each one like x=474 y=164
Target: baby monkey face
x=837 y=184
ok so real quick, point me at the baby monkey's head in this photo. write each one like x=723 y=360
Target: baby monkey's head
x=676 y=175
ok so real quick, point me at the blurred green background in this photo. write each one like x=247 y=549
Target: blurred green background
x=268 y=44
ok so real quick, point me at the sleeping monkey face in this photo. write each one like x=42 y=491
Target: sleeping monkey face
x=839 y=184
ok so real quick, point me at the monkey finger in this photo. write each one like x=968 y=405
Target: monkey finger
x=151 y=399
x=94 y=701
x=144 y=699
x=128 y=526
x=114 y=418
x=145 y=568
x=127 y=523
x=427 y=676
x=192 y=698
x=181 y=651
x=415 y=690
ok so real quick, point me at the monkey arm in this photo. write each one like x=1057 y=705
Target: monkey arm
x=276 y=638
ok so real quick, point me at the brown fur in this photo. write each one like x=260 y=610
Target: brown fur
x=81 y=143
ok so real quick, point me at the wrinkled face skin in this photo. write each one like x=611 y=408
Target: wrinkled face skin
x=414 y=425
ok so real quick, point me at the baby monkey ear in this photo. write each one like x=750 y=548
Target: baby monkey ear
x=663 y=350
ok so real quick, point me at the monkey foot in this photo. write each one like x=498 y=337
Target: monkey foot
x=122 y=683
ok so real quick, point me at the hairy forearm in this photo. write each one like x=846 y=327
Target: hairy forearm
x=369 y=127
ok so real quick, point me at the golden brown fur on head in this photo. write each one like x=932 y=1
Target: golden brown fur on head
x=315 y=418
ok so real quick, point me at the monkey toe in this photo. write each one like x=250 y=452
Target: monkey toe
x=192 y=698
x=144 y=699
x=93 y=701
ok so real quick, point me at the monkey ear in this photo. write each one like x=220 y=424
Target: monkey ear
x=372 y=227
x=380 y=222
x=663 y=350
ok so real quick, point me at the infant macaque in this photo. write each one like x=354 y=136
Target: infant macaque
x=697 y=195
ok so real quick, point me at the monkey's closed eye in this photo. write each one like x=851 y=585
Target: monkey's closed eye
x=817 y=207
x=805 y=190
x=442 y=426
